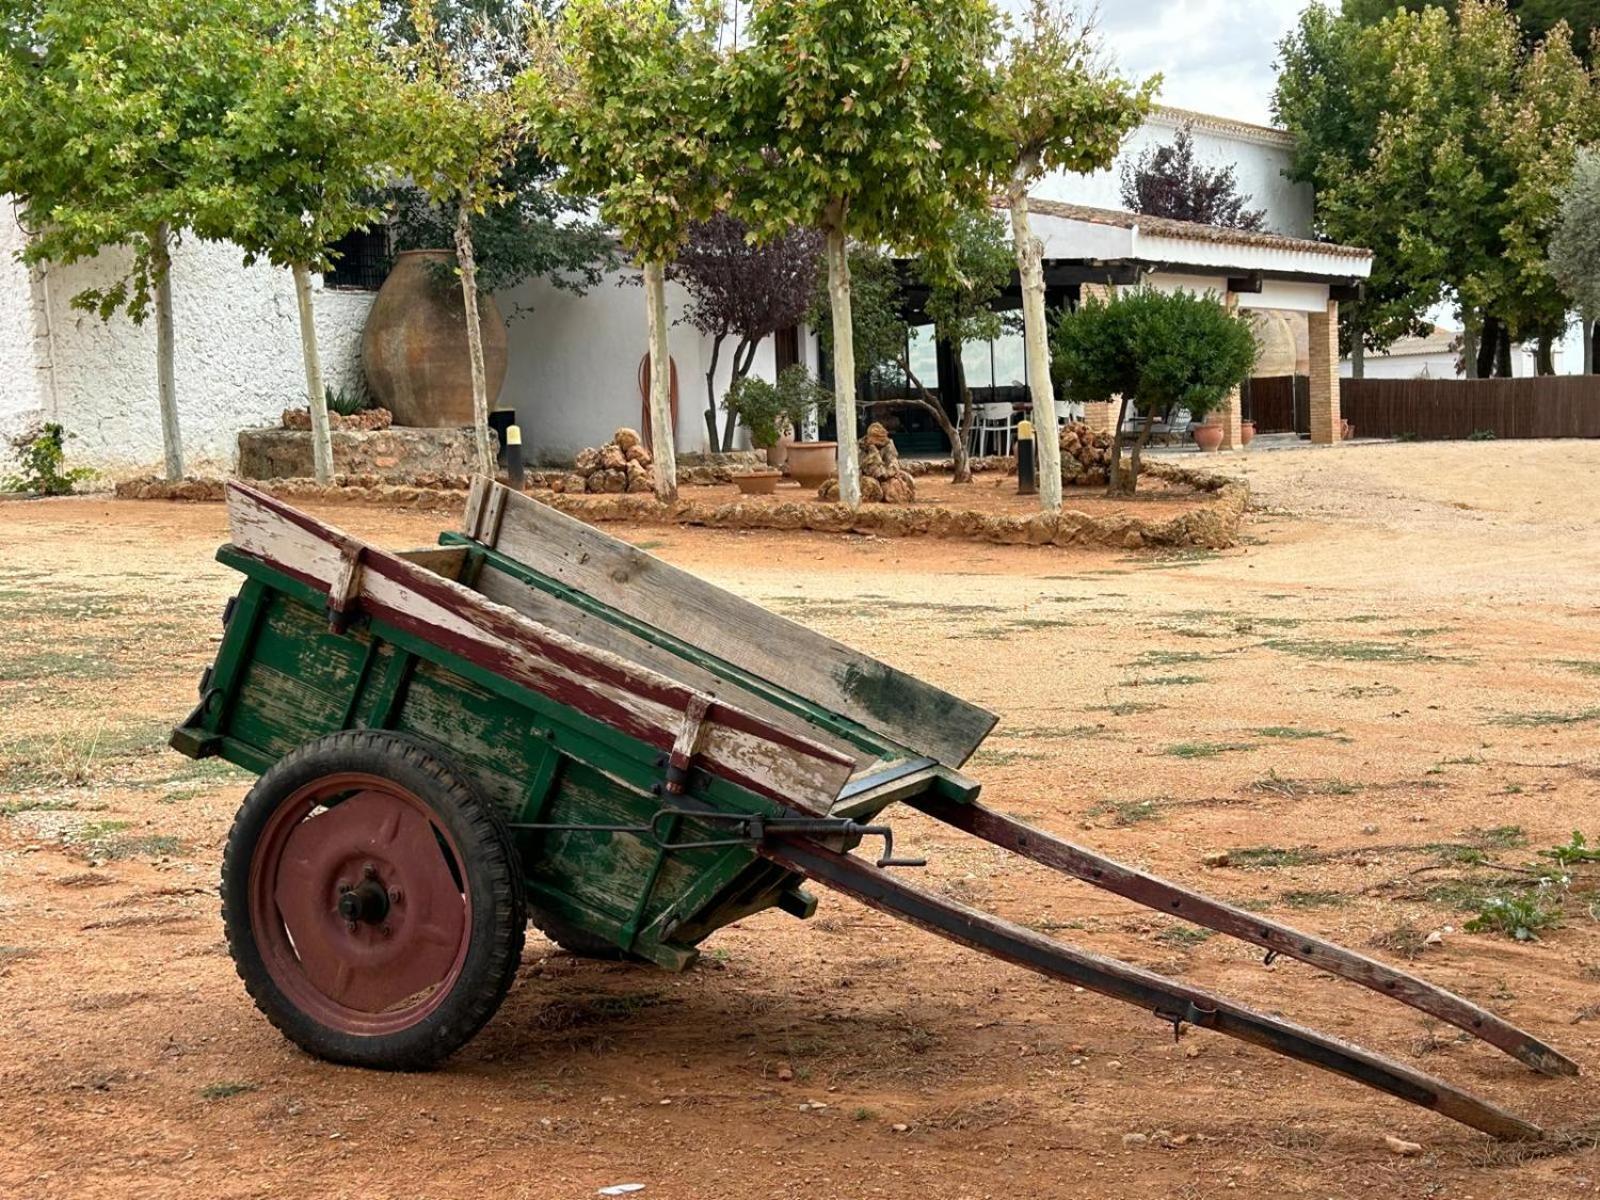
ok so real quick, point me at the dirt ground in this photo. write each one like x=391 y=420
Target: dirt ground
x=1390 y=689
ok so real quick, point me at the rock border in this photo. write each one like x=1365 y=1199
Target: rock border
x=1213 y=526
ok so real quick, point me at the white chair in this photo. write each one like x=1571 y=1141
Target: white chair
x=1067 y=412
x=992 y=426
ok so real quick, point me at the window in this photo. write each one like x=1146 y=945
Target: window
x=360 y=260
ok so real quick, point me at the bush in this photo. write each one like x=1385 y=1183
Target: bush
x=41 y=455
x=347 y=402
x=769 y=410
x=1481 y=435
x=1519 y=917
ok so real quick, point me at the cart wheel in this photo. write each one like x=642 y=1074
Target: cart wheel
x=578 y=941
x=371 y=903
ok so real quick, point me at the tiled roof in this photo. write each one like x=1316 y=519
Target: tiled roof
x=1227 y=126
x=1190 y=230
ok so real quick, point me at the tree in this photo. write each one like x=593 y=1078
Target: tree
x=530 y=228
x=1167 y=182
x=1575 y=246
x=299 y=155
x=463 y=128
x=963 y=277
x=1440 y=142
x=109 y=108
x=743 y=289
x=1055 y=105
x=857 y=119
x=1535 y=18
x=1161 y=350
x=629 y=98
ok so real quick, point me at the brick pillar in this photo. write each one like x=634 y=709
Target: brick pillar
x=1101 y=417
x=1228 y=413
x=1324 y=333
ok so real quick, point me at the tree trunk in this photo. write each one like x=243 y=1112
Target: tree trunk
x=480 y=383
x=1488 y=347
x=1589 y=330
x=166 y=375
x=743 y=355
x=1502 y=353
x=717 y=436
x=1544 y=362
x=1469 y=346
x=1136 y=464
x=1030 y=266
x=1114 y=484
x=663 y=441
x=844 y=362
x=960 y=458
x=316 y=394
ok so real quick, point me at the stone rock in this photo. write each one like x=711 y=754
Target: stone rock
x=871 y=489
x=899 y=490
x=637 y=454
x=626 y=439
x=575 y=484
x=1401 y=1147
x=611 y=480
x=1217 y=858
x=586 y=460
x=612 y=458
x=1132 y=1141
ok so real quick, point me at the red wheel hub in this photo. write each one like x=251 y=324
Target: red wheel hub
x=359 y=904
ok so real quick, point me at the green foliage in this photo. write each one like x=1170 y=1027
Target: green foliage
x=1575 y=244
x=860 y=116
x=41 y=459
x=1440 y=142
x=292 y=165
x=1057 y=104
x=629 y=98
x=111 y=111
x=877 y=328
x=347 y=401
x=1517 y=916
x=768 y=410
x=1481 y=435
x=1573 y=853
x=1163 y=350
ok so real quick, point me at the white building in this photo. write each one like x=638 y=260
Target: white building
x=573 y=370
x=1437 y=355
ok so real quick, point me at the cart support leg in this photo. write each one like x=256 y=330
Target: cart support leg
x=1275 y=938
x=1173 y=1001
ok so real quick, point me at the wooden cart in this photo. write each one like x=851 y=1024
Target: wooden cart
x=537 y=722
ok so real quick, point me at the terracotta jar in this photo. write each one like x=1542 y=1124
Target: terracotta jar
x=812 y=464
x=758 y=481
x=1247 y=432
x=1208 y=435
x=414 y=346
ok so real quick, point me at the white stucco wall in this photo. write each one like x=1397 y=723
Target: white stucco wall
x=573 y=370
x=237 y=360
x=1259 y=161
x=22 y=357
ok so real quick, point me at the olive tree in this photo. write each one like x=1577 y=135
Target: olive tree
x=628 y=97
x=1057 y=106
x=1575 y=247
x=857 y=119
x=298 y=157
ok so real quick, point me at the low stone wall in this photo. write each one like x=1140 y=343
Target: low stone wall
x=397 y=455
x=1214 y=524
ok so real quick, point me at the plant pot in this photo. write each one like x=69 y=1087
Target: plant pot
x=778 y=454
x=758 y=481
x=414 y=346
x=1247 y=432
x=1346 y=430
x=1208 y=436
x=812 y=464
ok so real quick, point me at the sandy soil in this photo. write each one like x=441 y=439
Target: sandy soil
x=1392 y=684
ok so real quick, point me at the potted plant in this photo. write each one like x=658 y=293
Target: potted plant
x=772 y=412
x=1208 y=434
x=1247 y=431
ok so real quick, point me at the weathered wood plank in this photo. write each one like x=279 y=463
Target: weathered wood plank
x=738 y=747
x=829 y=674
x=592 y=630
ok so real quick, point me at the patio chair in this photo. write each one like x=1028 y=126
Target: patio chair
x=992 y=427
x=1067 y=412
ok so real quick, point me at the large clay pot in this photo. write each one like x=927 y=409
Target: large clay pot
x=1208 y=435
x=414 y=347
x=1247 y=432
x=778 y=454
x=812 y=464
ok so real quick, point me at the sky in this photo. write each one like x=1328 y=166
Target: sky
x=1216 y=56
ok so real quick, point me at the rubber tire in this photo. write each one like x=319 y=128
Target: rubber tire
x=579 y=942
x=498 y=915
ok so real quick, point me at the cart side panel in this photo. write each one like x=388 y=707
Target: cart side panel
x=899 y=706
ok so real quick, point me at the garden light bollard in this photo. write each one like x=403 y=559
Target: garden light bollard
x=515 y=475
x=1027 y=481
